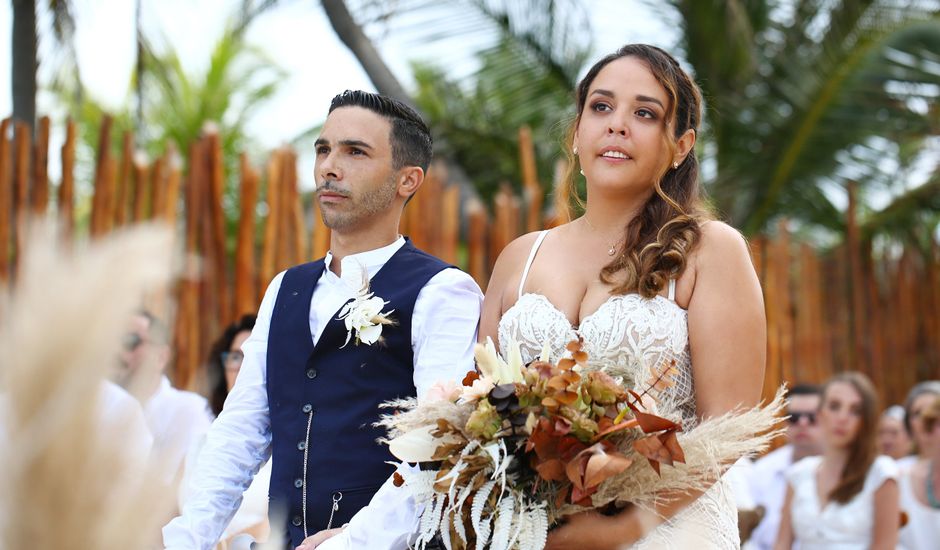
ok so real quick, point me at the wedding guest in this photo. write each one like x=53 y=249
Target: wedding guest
x=177 y=419
x=920 y=487
x=918 y=398
x=225 y=359
x=768 y=481
x=893 y=439
x=848 y=496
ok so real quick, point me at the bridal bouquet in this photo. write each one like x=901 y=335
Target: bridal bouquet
x=518 y=446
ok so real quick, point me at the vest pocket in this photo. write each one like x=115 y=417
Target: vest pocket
x=344 y=503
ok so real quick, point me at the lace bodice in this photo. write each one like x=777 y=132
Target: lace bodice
x=627 y=337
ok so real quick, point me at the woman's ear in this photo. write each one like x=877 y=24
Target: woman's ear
x=683 y=146
x=409 y=180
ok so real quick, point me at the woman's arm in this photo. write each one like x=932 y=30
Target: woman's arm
x=887 y=516
x=785 y=531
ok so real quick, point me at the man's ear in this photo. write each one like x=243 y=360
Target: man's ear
x=410 y=179
x=684 y=145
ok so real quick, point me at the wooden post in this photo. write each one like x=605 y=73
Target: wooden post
x=561 y=212
x=188 y=319
x=246 y=283
x=20 y=186
x=477 y=243
x=269 y=244
x=123 y=183
x=141 y=193
x=858 y=317
x=67 y=187
x=298 y=223
x=41 y=168
x=531 y=190
x=450 y=232
x=99 y=198
x=157 y=190
x=7 y=219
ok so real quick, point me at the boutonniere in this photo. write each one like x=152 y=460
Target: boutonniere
x=364 y=317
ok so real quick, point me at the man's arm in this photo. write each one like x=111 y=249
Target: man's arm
x=444 y=329
x=237 y=445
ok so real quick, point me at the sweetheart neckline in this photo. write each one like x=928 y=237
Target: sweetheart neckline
x=577 y=328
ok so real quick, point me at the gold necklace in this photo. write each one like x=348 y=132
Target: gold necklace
x=612 y=248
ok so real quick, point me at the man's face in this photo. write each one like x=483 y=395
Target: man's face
x=138 y=350
x=802 y=431
x=356 y=182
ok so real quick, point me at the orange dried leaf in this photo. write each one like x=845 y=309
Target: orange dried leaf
x=580 y=356
x=671 y=442
x=603 y=465
x=573 y=346
x=551 y=470
x=566 y=397
x=397 y=480
x=566 y=363
x=470 y=378
x=652 y=423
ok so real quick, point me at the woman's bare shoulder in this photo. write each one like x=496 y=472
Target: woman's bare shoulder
x=720 y=241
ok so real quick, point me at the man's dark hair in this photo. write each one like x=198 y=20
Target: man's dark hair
x=804 y=389
x=410 y=137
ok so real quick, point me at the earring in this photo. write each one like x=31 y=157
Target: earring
x=575 y=150
x=582 y=171
x=675 y=165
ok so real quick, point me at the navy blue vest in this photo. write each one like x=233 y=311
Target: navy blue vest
x=338 y=391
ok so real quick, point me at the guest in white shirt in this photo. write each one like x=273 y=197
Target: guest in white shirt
x=767 y=478
x=304 y=393
x=920 y=486
x=846 y=498
x=177 y=419
x=893 y=439
x=918 y=398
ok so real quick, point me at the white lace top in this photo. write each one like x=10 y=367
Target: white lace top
x=627 y=337
x=835 y=526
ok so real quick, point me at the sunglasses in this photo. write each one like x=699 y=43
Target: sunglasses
x=795 y=417
x=132 y=341
x=232 y=359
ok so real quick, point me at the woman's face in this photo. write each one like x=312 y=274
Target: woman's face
x=918 y=431
x=840 y=415
x=620 y=135
x=233 y=360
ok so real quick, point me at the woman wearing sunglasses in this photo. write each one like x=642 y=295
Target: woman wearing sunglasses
x=846 y=498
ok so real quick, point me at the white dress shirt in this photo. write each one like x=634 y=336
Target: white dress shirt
x=177 y=420
x=444 y=324
x=768 y=481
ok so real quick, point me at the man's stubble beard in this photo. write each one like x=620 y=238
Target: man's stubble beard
x=364 y=207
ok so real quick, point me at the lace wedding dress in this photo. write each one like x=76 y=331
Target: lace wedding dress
x=626 y=337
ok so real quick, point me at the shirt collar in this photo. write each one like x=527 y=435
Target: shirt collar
x=371 y=261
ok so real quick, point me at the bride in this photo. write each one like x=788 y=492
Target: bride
x=643 y=277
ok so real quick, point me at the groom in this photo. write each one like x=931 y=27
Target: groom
x=309 y=388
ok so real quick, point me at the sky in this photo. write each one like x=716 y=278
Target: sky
x=296 y=34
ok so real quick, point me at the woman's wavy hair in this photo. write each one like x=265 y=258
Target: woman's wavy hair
x=657 y=242
x=216 y=370
x=864 y=448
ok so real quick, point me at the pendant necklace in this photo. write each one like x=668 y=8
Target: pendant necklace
x=612 y=249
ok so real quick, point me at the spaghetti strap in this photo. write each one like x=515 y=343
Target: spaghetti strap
x=672 y=290
x=528 y=263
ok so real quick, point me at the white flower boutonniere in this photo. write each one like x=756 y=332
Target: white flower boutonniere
x=364 y=317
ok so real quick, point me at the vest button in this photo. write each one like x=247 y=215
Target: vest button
x=302 y=445
x=308 y=408
x=311 y=373
x=297 y=521
x=299 y=483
